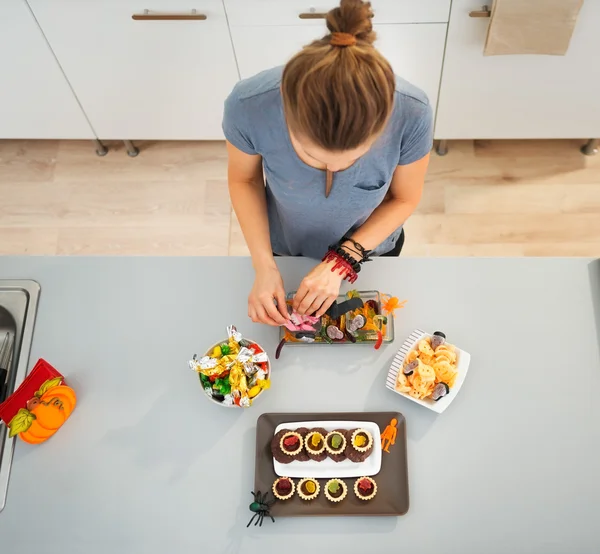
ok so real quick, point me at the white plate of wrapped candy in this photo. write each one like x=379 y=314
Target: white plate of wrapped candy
x=428 y=370
x=327 y=449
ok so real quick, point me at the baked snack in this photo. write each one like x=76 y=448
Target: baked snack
x=335 y=444
x=360 y=445
x=365 y=488
x=335 y=490
x=291 y=444
x=308 y=488
x=302 y=456
x=283 y=488
x=315 y=445
x=276 y=451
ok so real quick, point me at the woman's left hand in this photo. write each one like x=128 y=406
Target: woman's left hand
x=318 y=290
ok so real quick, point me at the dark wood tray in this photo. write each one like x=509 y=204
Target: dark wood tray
x=392 y=480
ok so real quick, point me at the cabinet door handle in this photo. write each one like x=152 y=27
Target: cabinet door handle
x=483 y=12
x=147 y=16
x=310 y=15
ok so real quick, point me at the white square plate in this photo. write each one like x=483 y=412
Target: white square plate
x=328 y=469
x=463 y=361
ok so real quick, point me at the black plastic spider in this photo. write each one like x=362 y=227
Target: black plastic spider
x=260 y=507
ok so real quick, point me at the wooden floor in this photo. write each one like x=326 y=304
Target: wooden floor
x=488 y=198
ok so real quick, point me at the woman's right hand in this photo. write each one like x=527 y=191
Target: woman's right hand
x=268 y=288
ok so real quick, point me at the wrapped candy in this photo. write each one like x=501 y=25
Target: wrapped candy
x=233 y=369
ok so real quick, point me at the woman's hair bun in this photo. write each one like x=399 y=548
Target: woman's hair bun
x=352 y=17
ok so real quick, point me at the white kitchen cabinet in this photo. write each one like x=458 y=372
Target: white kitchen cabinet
x=35 y=98
x=295 y=12
x=144 y=79
x=501 y=97
x=415 y=50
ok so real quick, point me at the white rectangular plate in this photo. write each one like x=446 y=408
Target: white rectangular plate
x=463 y=361
x=328 y=469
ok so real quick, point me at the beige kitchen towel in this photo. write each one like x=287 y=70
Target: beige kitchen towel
x=531 y=27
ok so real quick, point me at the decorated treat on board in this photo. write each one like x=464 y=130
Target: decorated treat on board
x=283 y=488
x=360 y=445
x=365 y=488
x=303 y=456
x=335 y=490
x=308 y=488
x=276 y=450
x=315 y=445
x=233 y=372
x=335 y=444
x=291 y=444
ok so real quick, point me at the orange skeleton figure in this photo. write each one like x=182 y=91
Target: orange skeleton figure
x=391 y=303
x=388 y=437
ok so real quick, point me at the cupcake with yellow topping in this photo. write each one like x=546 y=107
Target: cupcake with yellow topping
x=315 y=444
x=283 y=488
x=308 y=488
x=360 y=445
x=335 y=490
x=365 y=488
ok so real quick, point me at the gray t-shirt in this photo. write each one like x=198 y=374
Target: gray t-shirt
x=302 y=221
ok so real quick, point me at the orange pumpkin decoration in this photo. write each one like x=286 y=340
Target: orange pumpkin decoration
x=45 y=413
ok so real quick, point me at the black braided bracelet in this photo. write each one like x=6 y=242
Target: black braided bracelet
x=358 y=249
x=346 y=257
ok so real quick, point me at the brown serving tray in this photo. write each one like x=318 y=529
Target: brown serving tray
x=392 y=480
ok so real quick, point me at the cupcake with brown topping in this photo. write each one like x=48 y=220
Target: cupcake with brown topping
x=315 y=445
x=360 y=445
x=335 y=444
x=335 y=490
x=365 y=488
x=291 y=444
x=308 y=488
x=283 y=488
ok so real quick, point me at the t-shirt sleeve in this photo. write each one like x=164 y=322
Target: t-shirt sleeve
x=417 y=139
x=235 y=123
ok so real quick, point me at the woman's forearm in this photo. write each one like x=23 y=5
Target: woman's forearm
x=390 y=215
x=250 y=204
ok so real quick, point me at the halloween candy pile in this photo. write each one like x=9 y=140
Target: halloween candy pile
x=234 y=372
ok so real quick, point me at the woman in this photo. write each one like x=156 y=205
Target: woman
x=342 y=145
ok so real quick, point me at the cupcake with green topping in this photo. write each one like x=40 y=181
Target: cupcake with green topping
x=335 y=444
x=335 y=490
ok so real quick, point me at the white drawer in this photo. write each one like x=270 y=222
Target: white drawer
x=289 y=12
x=144 y=79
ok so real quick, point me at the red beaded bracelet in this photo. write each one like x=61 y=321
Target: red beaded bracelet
x=345 y=268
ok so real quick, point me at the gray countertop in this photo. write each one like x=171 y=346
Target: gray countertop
x=147 y=465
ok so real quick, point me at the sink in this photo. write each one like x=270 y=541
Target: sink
x=18 y=308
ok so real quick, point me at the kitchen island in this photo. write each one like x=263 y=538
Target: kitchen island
x=146 y=464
